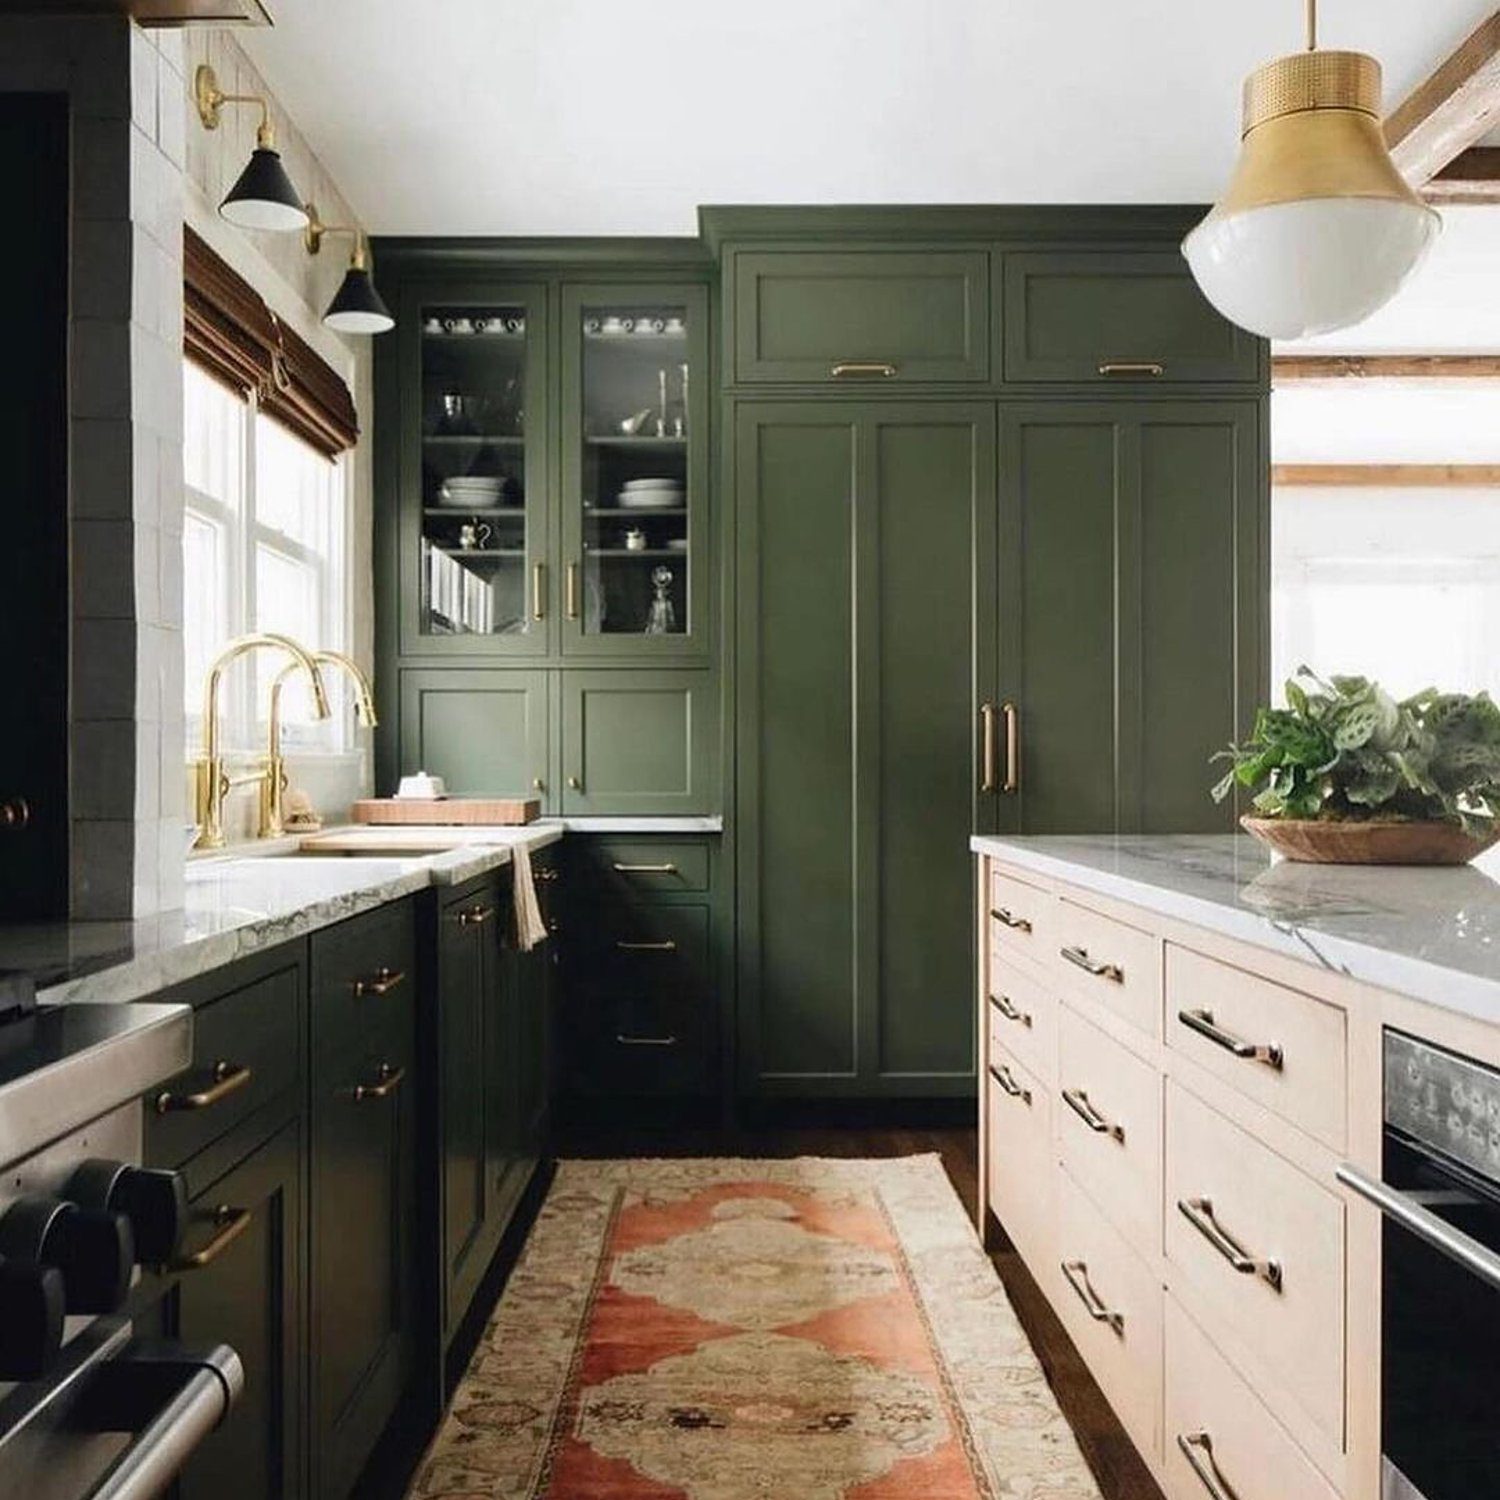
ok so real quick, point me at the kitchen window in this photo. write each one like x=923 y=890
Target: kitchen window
x=264 y=548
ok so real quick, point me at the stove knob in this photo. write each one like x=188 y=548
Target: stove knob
x=93 y=1248
x=31 y=1319
x=154 y=1201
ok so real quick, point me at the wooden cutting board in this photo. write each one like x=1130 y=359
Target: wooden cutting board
x=472 y=811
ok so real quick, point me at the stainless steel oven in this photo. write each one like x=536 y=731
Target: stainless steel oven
x=1440 y=1277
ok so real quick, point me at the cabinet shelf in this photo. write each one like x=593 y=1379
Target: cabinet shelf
x=473 y=440
x=635 y=511
x=639 y=444
x=637 y=552
x=482 y=553
x=458 y=514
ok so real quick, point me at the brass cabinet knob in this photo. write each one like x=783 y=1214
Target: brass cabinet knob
x=15 y=813
x=575 y=784
x=537 y=784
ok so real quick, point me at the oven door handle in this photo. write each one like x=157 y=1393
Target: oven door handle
x=194 y=1406
x=1401 y=1208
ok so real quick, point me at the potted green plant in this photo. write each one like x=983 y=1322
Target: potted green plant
x=1346 y=774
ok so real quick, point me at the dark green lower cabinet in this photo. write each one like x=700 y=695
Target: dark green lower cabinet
x=865 y=551
x=249 y=1295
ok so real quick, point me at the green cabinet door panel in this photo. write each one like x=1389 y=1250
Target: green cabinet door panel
x=250 y=1297
x=1070 y=312
x=865 y=553
x=798 y=314
x=486 y=733
x=1132 y=608
x=640 y=741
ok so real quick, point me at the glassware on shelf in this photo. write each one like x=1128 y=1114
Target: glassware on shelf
x=662 y=619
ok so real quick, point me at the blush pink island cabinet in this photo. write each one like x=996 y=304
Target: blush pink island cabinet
x=1181 y=1042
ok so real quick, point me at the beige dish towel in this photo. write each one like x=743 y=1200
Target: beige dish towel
x=530 y=929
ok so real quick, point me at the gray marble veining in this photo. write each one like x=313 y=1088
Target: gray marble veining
x=1433 y=934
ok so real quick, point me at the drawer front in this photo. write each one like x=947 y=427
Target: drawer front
x=647 y=867
x=247 y=1049
x=1108 y=962
x=888 y=317
x=645 y=1043
x=1109 y=1128
x=1132 y=320
x=1277 y=1046
x=1111 y=1304
x=1214 y=1420
x=364 y=979
x=1023 y=1019
x=649 y=948
x=1022 y=1171
x=1285 y=1302
x=1019 y=917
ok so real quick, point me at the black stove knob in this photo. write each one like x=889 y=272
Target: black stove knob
x=32 y=1309
x=154 y=1201
x=93 y=1248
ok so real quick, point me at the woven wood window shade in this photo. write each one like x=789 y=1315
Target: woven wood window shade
x=229 y=330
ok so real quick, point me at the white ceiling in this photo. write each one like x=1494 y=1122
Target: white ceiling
x=523 y=117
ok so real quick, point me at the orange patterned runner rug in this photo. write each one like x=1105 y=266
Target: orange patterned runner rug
x=809 y=1329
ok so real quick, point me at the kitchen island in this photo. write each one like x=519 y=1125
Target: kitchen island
x=1182 y=1043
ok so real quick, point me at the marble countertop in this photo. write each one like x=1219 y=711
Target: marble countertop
x=1433 y=934
x=239 y=903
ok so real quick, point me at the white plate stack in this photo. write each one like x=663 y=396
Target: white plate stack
x=471 y=492
x=652 y=494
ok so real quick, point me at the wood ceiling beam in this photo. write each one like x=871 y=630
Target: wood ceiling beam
x=1451 y=109
x=1287 y=368
x=1472 y=177
x=1388 y=476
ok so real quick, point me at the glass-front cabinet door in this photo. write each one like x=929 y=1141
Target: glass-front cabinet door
x=635 y=449
x=475 y=546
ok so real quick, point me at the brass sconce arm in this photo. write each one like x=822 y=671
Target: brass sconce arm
x=211 y=99
x=317 y=231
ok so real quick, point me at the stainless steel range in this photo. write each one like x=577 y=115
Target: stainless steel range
x=88 y=1411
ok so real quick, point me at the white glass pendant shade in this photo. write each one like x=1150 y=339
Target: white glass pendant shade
x=1317 y=229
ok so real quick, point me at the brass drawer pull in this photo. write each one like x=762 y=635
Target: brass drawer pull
x=227 y=1078
x=620 y=869
x=475 y=916
x=1007 y=918
x=231 y=1224
x=625 y=1040
x=856 y=368
x=1079 y=1103
x=1079 y=958
x=1076 y=1273
x=989 y=753
x=1199 y=1212
x=539 y=591
x=389 y=1081
x=1012 y=716
x=1198 y=1449
x=1007 y=1008
x=1127 y=367
x=1202 y=1021
x=667 y=945
x=1002 y=1075
x=546 y=875
x=382 y=982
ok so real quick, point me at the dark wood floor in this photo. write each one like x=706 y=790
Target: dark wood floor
x=1117 y=1466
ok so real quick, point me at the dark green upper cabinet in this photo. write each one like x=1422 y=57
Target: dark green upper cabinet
x=1089 y=317
x=475 y=471
x=892 y=316
x=486 y=733
x=635 y=471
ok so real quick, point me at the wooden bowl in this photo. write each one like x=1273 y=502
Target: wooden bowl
x=1332 y=842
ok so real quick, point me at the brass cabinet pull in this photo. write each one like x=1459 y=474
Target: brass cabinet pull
x=570 y=602
x=1202 y=1021
x=626 y=1040
x=537 y=784
x=645 y=869
x=1008 y=1008
x=15 y=813
x=846 y=369
x=1198 y=1449
x=545 y=875
x=381 y=982
x=1007 y=918
x=1126 y=367
x=475 y=916
x=539 y=591
x=231 y=1224
x=574 y=784
x=1199 y=1212
x=1012 y=716
x=667 y=945
x=388 y=1081
x=989 y=751
x=1002 y=1075
x=227 y=1078
x=1079 y=1103
x=1076 y=1273
x=1079 y=958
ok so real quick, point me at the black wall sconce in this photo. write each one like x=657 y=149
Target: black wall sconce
x=263 y=197
x=357 y=307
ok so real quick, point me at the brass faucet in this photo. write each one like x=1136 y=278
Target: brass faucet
x=210 y=783
x=273 y=789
